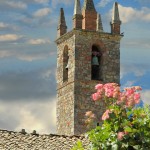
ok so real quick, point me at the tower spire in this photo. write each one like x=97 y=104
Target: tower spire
x=115 y=15
x=77 y=18
x=77 y=7
x=89 y=15
x=99 y=23
x=116 y=22
x=89 y=5
x=62 y=28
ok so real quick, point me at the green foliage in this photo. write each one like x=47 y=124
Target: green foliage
x=78 y=146
x=135 y=129
x=135 y=123
x=124 y=126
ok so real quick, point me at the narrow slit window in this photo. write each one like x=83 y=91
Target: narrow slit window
x=65 y=64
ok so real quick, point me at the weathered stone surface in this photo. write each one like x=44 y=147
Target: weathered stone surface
x=74 y=96
x=74 y=93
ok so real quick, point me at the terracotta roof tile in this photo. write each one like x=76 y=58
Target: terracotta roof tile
x=10 y=140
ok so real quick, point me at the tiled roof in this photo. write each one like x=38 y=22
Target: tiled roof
x=10 y=140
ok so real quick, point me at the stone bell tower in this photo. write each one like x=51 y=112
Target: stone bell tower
x=86 y=56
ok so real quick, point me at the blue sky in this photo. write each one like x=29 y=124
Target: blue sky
x=28 y=30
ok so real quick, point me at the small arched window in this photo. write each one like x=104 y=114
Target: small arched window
x=95 y=63
x=65 y=64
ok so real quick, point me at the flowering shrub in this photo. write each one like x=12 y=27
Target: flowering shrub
x=124 y=125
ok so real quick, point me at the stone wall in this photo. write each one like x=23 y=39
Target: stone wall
x=65 y=89
x=74 y=96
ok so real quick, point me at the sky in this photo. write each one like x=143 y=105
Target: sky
x=28 y=53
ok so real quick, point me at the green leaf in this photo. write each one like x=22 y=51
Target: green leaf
x=136 y=147
x=115 y=147
x=78 y=146
x=128 y=129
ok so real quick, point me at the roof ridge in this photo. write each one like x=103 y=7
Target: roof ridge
x=51 y=134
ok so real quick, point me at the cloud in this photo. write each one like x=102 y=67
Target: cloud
x=103 y=3
x=42 y=12
x=37 y=115
x=27 y=85
x=139 y=70
x=3 y=25
x=128 y=84
x=10 y=37
x=129 y=14
x=8 y=27
x=28 y=52
x=33 y=56
x=39 y=41
x=56 y=2
x=41 y=1
x=145 y=2
x=146 y=96
x=142 y=43
x=13 y=5
x=18 y=5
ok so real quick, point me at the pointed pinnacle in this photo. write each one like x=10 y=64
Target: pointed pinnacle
x=115 y=15
x=77 y=7
x=89 y=5
x=99 y=23
x=62 y=18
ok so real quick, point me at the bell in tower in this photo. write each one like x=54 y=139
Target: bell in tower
x=95 y=64
x=95 y=61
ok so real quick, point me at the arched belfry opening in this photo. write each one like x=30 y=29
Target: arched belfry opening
x=65 y=63
x=96 y=63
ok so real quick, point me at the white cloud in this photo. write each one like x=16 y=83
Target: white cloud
x=3 y=25
x=138 y=70
x=17 y=5
x=10 y=37
x=39 y=116
x=6 y=26
x=39 y=41
x=146 y=96
x=128 y=84
x=23 y=55
x=30 y=57
x=128 y=14
x=42 y=12
x=41 y=1
x=103 y=3
x=4 y=53
x=66 y=2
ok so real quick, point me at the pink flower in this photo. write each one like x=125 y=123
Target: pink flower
x=106 y=115
x=138 y=88
x=110 y=89
x=120 y=135
x=99 y=86
x=90 y=114
x=129 y=91
x=115 y=94
x=130 y=103
x=137 y=98
x=96 y=96
x=109 y=92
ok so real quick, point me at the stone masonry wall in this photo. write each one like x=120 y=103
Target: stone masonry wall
x=84 y=86
x=74 y=96
x=65 y=90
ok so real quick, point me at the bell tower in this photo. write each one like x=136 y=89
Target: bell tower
x=86 y=56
